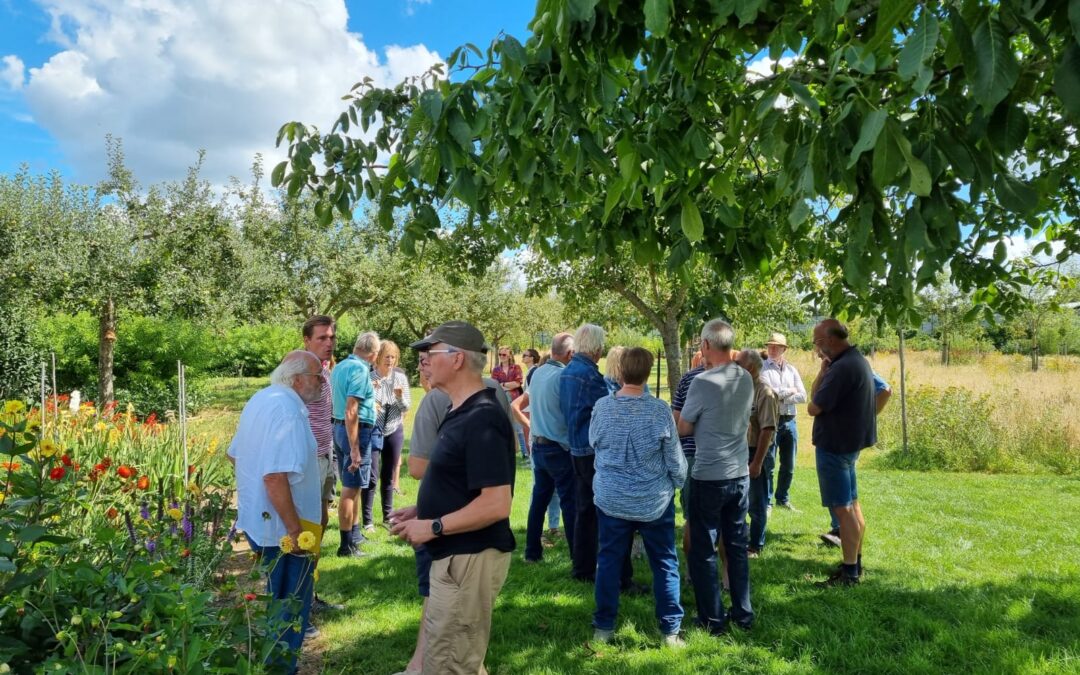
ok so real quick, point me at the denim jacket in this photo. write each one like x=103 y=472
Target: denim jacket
x=580 y=387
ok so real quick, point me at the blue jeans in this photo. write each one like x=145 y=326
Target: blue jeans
x=552 y=471
x=759 y=499
x=616 y=535
x=836 y=477
x=718 y=512
x=353 y=479
x=586 y=537
x=787 y=437
x=290 y=582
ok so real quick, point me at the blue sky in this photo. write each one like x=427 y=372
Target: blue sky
x=191 y=74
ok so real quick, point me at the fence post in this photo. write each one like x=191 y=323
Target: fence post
x=658 y=356
x=903 y=390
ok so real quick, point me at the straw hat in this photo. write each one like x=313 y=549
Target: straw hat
x=777 y=339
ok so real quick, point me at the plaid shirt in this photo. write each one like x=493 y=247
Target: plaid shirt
x=580 y=387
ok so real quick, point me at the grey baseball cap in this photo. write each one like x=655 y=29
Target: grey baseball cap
x=456 y=334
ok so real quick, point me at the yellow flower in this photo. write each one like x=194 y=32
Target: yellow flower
x=14 y=407
x=194 y=489
x=100 y=426
x=3 y=431
x=33 y=423
x=175 y=514
x=286 y=544
x=307 y=541
x=114 y=437
x=48 y=447
x=3 y=496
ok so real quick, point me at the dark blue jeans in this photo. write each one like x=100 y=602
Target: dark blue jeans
x=585 y=536
x=616 y=535
x=553 y=472
x=290 y=583
x=759 y=499
x=784 y=447
x=718 y=512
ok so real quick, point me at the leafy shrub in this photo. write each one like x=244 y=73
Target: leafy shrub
x=255 y=350
x=151 y=395
x=109 y=551
x=19 y=353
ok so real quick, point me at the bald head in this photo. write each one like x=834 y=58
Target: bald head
x=831 y=337
x=562 y=347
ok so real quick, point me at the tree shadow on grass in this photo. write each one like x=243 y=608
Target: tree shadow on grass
x=891 y=623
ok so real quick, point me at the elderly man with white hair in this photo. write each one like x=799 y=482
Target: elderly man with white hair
x=278 y=485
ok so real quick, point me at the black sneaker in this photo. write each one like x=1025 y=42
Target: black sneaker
x=839 y=578
x=636 y=589
x=354 y=552
x=320 y=605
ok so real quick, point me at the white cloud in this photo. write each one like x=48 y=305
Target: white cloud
x=172 y=76
x=12 y=72
x=411 y=5
x=763 y=67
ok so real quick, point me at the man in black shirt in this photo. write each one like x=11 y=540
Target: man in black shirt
x=842 y=403
x=462 y=515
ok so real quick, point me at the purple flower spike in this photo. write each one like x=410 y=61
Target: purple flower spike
x=144 y=512
x=189 y=529
x=130 y=527
x=151 y=546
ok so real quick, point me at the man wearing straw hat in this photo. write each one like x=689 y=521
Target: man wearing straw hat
x=784 y=379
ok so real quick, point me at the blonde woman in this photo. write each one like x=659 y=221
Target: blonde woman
x=393 y=399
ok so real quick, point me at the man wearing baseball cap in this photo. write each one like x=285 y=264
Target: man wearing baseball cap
x=784 y=379
x=462 y=514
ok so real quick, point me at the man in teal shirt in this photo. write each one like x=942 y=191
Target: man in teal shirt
x=354 y=421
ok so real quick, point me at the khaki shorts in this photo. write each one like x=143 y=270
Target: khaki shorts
x=328 y=476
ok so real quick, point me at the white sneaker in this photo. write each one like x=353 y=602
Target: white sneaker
x=674 y=641
x=790 y=507
x=600 y=635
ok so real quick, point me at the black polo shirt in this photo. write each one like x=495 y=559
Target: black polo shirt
x=848 y=420
x=474 y=450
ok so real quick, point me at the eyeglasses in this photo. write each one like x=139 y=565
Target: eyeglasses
x=504 y=355
x=441 y=351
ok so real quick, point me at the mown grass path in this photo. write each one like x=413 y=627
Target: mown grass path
x=964 y=573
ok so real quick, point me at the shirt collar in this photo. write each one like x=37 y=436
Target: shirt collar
x=585 y=359
x=292 y=393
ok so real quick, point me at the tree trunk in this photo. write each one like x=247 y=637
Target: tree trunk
x=669 y=333
x=106 y=347
x=944 y=348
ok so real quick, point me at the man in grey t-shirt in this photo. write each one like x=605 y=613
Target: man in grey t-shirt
x=717 y=414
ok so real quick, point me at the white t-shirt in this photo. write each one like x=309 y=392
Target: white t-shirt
x=274 y=436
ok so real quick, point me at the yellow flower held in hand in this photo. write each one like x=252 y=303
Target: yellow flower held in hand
x=286 y=544
x=307 y=541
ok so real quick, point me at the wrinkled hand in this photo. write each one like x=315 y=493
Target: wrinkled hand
x=354 y=457
x=414 y=531
x=755 y=469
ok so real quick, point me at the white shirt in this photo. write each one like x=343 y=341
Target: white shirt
x=274 y=436
x=787 y=384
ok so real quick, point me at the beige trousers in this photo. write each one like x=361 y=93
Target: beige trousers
x=457 y=621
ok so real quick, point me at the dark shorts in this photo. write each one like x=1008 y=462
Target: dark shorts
x=423 y=570
x=359 y=478
x=836 y=478
x=684 y=493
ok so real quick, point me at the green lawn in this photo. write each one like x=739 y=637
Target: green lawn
x=964 y=573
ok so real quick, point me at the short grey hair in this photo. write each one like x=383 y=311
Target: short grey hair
x=475 y=361
x=589 y=339
x=719 y=333
x=562 y=344
x=752 y=359
x=367 y=343
x=295 y=363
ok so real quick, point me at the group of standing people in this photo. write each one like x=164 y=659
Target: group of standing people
x=603 y=451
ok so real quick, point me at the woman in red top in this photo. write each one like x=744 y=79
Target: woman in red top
x=508 y=373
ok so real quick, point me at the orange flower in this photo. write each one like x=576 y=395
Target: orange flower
x=125 y=471
x=9 y=466
x=111 y=513
x=144 y=483
x=185 y=553
x=65 y=460
x=57 y=473
x=250 y=596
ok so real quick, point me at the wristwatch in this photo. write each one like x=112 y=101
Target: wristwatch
x=436 y=527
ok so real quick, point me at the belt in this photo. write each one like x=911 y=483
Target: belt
x=786 y=418
x=545 y=441
x=363 y=425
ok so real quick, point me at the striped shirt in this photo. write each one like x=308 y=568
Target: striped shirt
x=319 y=415
x=391 y=413
x=679 y=400
x=639 y=463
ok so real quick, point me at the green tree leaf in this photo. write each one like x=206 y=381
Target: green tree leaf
x=868 y=134
x=1008 y=128
x=1067 y=77
x=890 y=12
x=803 y=95
x=920 y=44
x=431 y=104
x=657 y=16
x=1015 y=195
x=996 y=69
x=690 y=220
x=582 y=10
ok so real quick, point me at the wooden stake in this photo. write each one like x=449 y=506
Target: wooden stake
x=903 y=389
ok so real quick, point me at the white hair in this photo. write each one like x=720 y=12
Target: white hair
x=719 y=333
x=589 y=339
x=295 y=363
x=752 y=359
x=475 y=361
x=367 y=343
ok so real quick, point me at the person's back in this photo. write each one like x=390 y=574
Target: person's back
x=545 y=415
x=848 y=399
x=719 y=401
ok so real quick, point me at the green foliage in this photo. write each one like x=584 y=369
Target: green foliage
x=955 y=430
x=254 y=349
x=19 y=353
x=111 y=566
